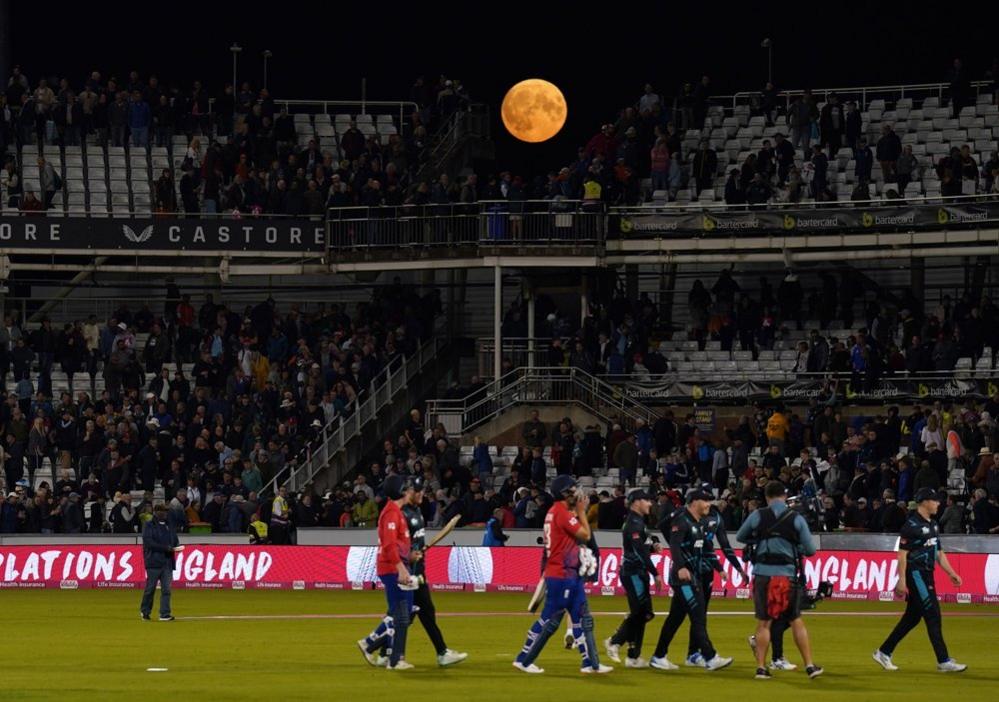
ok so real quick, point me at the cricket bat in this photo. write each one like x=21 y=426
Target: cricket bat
x=445 y=530
x=539 y=595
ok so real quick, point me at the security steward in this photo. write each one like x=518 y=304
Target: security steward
x=777 y=536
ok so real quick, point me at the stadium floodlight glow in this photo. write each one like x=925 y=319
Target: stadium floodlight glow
x=266 y=54
x=235 y=49
x=769 y=46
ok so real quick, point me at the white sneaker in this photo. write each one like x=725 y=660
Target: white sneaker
x=694 y=660
x=371 y=658
x=752 y=642
x=662 y=664
x=613 y=651
x=951 y=666
x=599 y=670
x=717 y=663
x=636 y=663
x=450 y=657
x=884 y=660
x=782 y=664
x=533 y=669
x=401 y=665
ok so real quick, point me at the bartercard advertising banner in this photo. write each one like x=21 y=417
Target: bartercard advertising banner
x=804 y=389
x=853 y=574
x=664 y=223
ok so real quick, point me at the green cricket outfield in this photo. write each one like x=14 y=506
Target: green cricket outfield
x=298 y=645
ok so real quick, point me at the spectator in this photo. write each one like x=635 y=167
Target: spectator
x=166 y=196
x=864 y=158
x=832 y=123
x=533 y=431
x=704 y=167
x=906 y=169
x=801 y=115
x=889 y=149
x=853 y=125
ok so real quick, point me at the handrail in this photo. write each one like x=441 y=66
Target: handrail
x=343 y=427
x=541 y=385
x=902 y=201
x=862 y=89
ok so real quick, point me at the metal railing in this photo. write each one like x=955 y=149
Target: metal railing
x=463 y=124
x=652 y=207
x=351 y=422
x=492 y=222
x=367 y=107
x=864 y=93
x=539 y=386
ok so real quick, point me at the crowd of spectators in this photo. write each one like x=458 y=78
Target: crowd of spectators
x=890 y=334
x=243 y=152
x=263 y=384
x=645 y=141
x=852 y=473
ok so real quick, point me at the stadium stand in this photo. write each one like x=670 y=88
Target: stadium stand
x=235 y=151
x=200 y=401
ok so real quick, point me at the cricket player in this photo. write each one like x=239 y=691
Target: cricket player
x=636 y=569
x=565 y=528
x=425 y=609
x=919 y=552
x=714 y=528
x=686 y=545
x=394 y=559
x=778 y=536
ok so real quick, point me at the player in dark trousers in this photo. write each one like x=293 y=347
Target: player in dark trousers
x=159 y=549
x=636 y=568
x=686 y=546
x=565 y=529
x=394 y=561
x=919 y=552
x=714 y=528
x=777 y=537
x=425 y=609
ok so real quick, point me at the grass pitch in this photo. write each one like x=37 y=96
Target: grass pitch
x=241 y=645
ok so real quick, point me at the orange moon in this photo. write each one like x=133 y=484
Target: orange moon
x=534 y=110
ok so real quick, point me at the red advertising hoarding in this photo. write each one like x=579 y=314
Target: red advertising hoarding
x=854 y=574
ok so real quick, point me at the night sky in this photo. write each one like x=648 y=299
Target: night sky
x=600 y=59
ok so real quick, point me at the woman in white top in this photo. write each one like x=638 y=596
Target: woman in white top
x=194 y=154
x=932 y=434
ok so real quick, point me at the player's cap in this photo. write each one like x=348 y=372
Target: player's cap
x=638 y=494
x=699 y=494
x=923 y=494
x=562 y=486
x=394 y=486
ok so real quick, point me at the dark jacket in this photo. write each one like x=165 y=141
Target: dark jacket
x=158 y=542
x=889 y=147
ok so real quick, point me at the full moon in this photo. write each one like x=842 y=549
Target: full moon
x=534 y=110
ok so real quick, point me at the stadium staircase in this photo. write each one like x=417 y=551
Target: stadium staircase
x=562 y=387
x=385 y=404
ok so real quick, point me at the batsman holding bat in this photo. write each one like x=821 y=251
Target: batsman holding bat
x=422 y=601
x=565 y=529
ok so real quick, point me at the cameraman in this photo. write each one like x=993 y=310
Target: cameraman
x=778 y=536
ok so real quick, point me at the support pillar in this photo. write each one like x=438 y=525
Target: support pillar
x=498 y=322
x=917 y=280
x=529 y=292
